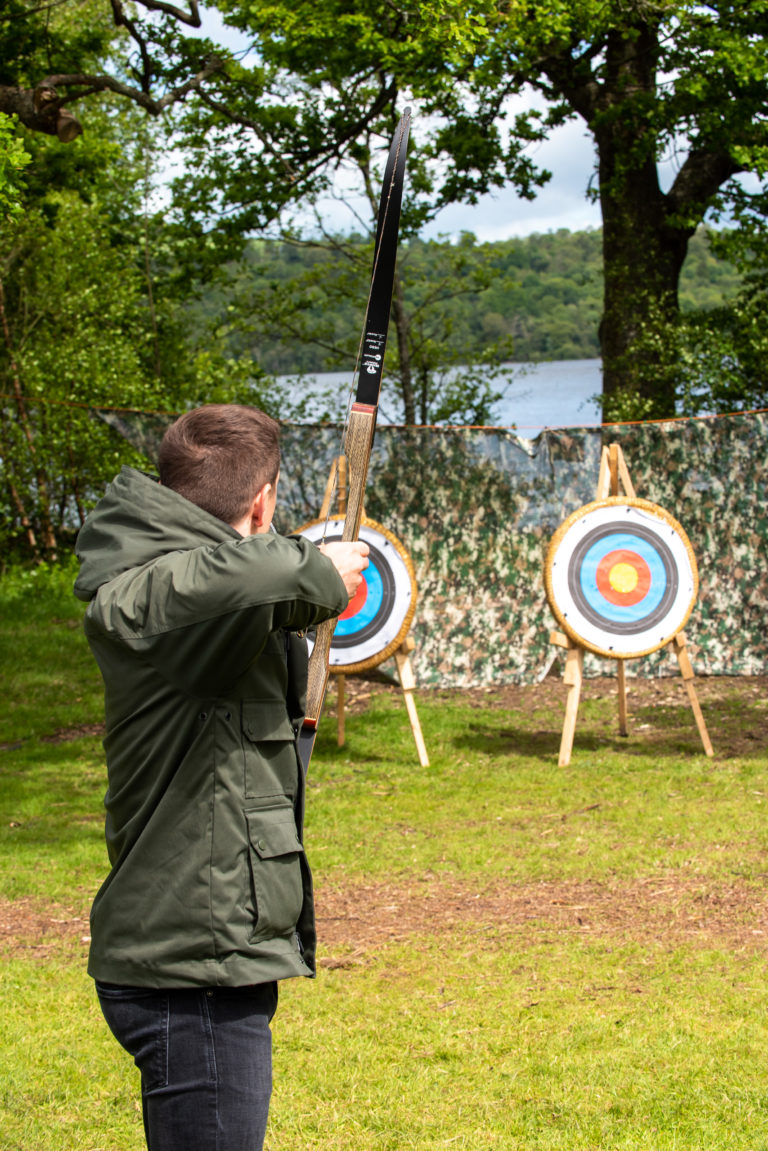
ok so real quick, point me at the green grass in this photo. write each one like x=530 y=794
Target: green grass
x=531 y=1034
x=494 y=801
x=48 y=675
x=560 y=1046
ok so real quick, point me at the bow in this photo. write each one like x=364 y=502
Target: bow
x=358 y=441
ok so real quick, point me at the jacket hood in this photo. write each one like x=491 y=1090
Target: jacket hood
x=136 y=521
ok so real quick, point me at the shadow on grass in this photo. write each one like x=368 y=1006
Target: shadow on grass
x=354 y=754
x=508 y=741
x=657 y=731
x=527 y=720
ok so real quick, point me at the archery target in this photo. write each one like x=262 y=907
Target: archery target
x=621 y=577
x=378 y=617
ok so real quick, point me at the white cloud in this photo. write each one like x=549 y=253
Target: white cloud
x=562 y=203
x=214 y=28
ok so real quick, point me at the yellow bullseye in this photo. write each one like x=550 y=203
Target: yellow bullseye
x=623 y=578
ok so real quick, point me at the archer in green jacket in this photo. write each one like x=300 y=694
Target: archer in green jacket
x=196 y=614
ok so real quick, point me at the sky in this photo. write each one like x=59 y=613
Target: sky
x=562 y=203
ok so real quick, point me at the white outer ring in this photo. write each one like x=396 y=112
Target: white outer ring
x=609 y=641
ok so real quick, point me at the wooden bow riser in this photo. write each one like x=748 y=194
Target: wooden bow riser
x=358 y=443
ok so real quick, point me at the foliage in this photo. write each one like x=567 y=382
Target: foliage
x=319 y=108
x=93 y=316
x=307 y=107
x=426 y=376
x=714 y=356
x=13 y=160
x=434 y=283
x=80 y=333
x=722 y=357
x=723 y=352
x=73 y=332
x=59 y=55
x=297 y=307
x=171 y=356
x=647 y=80
x=650 y=80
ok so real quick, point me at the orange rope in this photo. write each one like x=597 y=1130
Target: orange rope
x=585 y=427
x=430 y=427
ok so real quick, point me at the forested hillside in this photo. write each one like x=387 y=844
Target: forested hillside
x=543 y=297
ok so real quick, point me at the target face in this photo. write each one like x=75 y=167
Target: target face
x=621 y=577
x=378 y=617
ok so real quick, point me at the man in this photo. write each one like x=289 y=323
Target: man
x=196 y=614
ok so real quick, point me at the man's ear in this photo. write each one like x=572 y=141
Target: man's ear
x=260 y=508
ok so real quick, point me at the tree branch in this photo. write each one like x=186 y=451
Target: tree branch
x=42 y=108
x=192 y=17
x=121 y=19
x=702 y=175
x=105 y=83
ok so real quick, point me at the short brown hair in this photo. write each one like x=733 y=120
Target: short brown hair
x=220 y=456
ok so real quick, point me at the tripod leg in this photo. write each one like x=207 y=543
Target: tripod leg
x=572 y=678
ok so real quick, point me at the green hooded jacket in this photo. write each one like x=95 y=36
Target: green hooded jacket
x=194 y=628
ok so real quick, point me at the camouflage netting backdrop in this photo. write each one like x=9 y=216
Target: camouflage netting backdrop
x=476 y=509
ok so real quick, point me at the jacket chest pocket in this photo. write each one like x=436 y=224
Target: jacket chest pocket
x=276 y=879
x=271 y=767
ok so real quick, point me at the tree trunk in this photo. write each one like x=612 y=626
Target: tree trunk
x=13 y=492
x=643 y=256
x=645 y=230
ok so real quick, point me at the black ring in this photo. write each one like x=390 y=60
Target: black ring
x=634 y=627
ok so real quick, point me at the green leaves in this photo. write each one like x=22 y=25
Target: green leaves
x=13 y=161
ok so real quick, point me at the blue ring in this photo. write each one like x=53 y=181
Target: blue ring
x=355 y=623
x=615 y=613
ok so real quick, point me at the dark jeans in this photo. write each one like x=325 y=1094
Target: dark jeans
x=205 y=1057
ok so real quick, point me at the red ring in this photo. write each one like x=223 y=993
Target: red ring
x=357 y=603
x=603 y=580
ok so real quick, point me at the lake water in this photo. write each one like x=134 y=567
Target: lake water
x=554 y=394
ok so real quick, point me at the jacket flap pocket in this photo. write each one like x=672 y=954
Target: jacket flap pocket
x=266 y=719
x=272 y=832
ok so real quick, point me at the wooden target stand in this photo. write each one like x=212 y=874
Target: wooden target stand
x=613 y=476
x=337 y=479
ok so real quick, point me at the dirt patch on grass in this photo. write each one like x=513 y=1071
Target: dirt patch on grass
x=29 y=928
x=356 y=922
x=62 y=735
